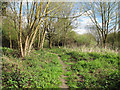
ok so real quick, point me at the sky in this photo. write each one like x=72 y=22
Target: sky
x=82 y=21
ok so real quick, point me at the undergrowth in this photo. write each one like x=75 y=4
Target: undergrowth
x=90 y=69
x=41 y=69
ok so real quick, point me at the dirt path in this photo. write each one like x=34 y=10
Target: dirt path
x=64 y=85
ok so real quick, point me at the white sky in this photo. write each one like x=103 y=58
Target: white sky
x=82 y=21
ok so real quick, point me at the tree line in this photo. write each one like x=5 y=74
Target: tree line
x=28 y=25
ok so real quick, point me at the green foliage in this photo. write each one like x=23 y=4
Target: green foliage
x=85 y=39
x=76 y=56
x=41 y=69
x=65 y=57
x=46 y=44
x=8 y=26
x=10 y=52
x=91 y=70
x=113 y=40
x=15 y=78
x=58 y=50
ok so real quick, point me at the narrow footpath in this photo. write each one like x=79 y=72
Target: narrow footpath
x=64 y=85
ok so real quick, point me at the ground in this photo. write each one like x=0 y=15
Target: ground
x=61 y=68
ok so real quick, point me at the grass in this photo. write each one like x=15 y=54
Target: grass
x=93 y=49
x=90 y=69
x=42 y=69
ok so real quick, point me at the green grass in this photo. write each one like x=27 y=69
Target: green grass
x=42 y=69
x=91 y=69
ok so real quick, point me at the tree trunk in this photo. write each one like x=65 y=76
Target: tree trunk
x=20 y=33
x=10 y=40
x=26 y=46
x=42 y=39
x=104 y=40
x=104 y=43
x=44 y=32
x=38 y=46
x=50 y=43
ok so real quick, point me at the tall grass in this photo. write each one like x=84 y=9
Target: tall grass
x=93 y=49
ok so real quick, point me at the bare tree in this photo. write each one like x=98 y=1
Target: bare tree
x=20 y=30
x=107 y=12
x=37 y=15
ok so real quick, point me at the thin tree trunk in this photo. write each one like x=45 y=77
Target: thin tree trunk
x=32 y=36
x=34 y=30
x=20 y=33
x=104 y=40
x=50 y=42
x=44 y=32
x=26 y=40
x=26 y=46
x=10 y=40
x=42 y=39
x=38 y=46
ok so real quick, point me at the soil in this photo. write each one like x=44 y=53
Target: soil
x=64 y=85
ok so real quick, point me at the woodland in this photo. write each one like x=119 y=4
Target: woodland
x=41 y=49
